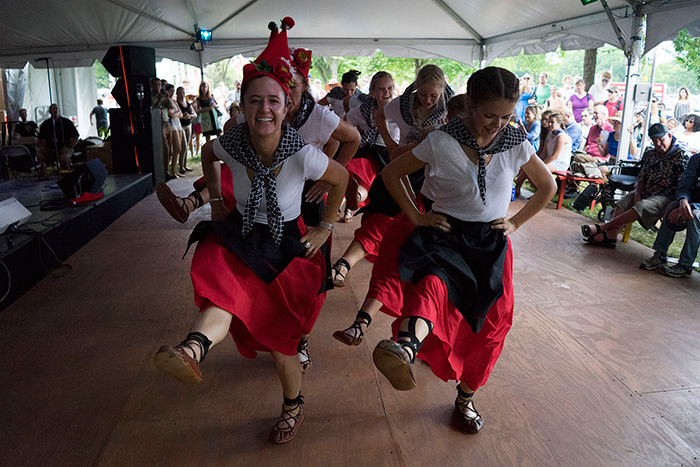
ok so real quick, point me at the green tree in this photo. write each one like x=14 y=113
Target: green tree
x=219 y=71
x=101 y=76
x=688 y=49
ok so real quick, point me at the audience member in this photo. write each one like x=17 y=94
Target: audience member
x=661 y=170
x=57 y=137
x=600 y=91
x=526 y=97
x=598 y=132
x=682 y=105
x=573 y=129
x=655 y=114
x=101 y=120
x=614 y=103
x=542 y=90
x=24 y=128
x=689 y=134
x=188 y=114
x=586 y=122
x=532 y=126
x=685 y=213
x=555 y=103
x=580 y=99
x=567 y=88
x=159 y=99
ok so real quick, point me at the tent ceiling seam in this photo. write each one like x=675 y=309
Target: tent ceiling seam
x=151 y=17
x=460 y=21
x=234 y=14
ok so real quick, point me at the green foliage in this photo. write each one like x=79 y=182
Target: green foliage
x=402 y=69
x=219 y=71
x=688 y=49
x=101 y=76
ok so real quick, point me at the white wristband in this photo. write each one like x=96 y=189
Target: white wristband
x=326 y=225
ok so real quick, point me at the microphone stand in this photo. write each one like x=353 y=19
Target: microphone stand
x=55 y=137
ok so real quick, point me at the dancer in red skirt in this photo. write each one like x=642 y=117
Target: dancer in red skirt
x=456 y=263
x=420 y=110
x=257 y=271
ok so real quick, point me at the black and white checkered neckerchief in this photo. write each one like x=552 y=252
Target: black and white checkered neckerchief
x=306 y=106
x=339 y=94
x=237 y=143
x=509 y=137
x=367 y=109
x=419 y=132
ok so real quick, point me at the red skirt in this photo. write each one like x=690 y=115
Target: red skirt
x=371 y=233
x=385 y=284
x=265 y=316
x=363 y=170
x=452 y=350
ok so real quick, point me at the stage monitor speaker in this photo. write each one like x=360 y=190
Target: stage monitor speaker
x=88 y=178
x=12 y=212
x=147 y=139
x=138 y=61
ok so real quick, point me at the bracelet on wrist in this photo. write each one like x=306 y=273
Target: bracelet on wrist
x=326 y=225
x=211 y=200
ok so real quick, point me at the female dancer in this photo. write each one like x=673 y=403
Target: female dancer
x=420 y=110
x=318 y=126
x=580 y=99
x=176 y=133
x=457 y=263
x=365 y=166
x=188 y=114
x=253 y=266
x=363 y=170
x=204 y=103
x=339 y=97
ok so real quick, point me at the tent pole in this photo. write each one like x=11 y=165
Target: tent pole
x=631 y=81
x=651 y=93
x=201 y=65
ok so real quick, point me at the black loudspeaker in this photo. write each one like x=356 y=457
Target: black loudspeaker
x=138 y=61
x=139 y=95
x=88 y=178
x=145 y=142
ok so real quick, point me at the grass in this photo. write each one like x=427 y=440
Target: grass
x=638 y=233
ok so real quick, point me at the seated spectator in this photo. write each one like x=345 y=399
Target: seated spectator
x=659 y=176
x=686 y=211
x=532 y=126
x=556 y=149
x=672 y=124
x=689 y=134
x=24 y=128
x=573 y=129
x=655 y=114
x=586 y=123
x=614 y=103
x=57 y=137
x=609 y=147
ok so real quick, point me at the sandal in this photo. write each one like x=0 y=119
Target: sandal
x=170 y=202
x=347 y=218
x=177 y=362
x=303 y=354
x=354 y=334
x=586 y=230
x=284 y=431
x=338 y=276
x=469 y=418
x=605 y=242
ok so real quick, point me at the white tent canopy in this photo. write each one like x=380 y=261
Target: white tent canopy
x=78 y=32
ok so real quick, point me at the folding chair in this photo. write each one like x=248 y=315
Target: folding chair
x=19 y=159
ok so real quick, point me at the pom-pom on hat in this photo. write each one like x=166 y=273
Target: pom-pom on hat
x=275 y=60
x=301 y=60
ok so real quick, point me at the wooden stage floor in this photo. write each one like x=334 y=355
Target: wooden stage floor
x=602 y=367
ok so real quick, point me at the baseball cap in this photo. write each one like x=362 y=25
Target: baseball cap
x=607 y=75
x=526 y=75
x=613 y=89
x=658 y=130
